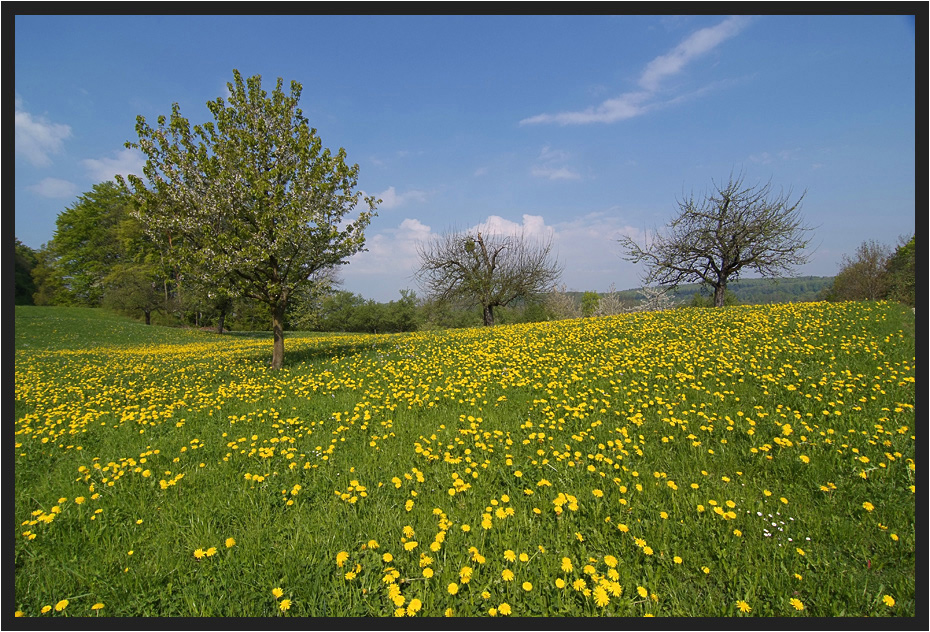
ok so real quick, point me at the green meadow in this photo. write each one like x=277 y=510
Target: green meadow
x=750 y=461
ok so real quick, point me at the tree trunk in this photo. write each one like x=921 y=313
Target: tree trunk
x=277 y=326
x=719 y=294
x=488 y=316
x=148 y=317
x=221 y=321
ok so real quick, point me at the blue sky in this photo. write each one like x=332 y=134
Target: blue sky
x=578 y=128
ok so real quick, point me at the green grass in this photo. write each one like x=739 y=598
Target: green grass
x=753 y=454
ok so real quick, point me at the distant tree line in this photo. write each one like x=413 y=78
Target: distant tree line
x=100 y=257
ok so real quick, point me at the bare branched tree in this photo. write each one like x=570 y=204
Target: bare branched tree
x=490 y=270
x=714 y=239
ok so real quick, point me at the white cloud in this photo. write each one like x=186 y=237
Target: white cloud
x=532 y=227
x=36 y=137
x=126 y=161
x=635 y=103
x=390 y=198
x=54 y=188
x=391 y=251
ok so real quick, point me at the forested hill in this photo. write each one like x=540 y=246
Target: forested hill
x=748 y=291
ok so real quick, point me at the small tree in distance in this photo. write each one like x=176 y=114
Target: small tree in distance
x=714 y=239
x=490 y=270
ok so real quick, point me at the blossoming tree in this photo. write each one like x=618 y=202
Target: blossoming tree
x=250 y=203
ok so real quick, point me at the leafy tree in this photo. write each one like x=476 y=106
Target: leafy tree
x=86 y=246
x=401 y=315
x=864 y=276
x=134 y=288
x=902 y=269
x=50 y=289
x=488 y=270
x=24 y=263
x=252 y=202
x=589 y=303
x=714 y=239
x=305 y=310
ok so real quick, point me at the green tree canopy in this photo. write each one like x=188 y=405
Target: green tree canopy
x=85 y=245
x=25 y=263
x=251 y=201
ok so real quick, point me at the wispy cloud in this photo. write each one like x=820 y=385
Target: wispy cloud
x=54 y=188
x=36 y=137
x=637 y=102
x=550 y=164
x=126 y=161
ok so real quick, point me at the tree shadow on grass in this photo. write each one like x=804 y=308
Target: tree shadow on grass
x=311 y=354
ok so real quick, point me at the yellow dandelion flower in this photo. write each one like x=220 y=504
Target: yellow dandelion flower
x=507 y=574
x=888 y=600
x=387 y=557
x=46 y=609
x=199 y=554
x=96 y=606
x=868 y=506
x=677 y=559
x=743 y=606
x=559 y=582
x=796 y=603
x=504 y=609
x=230 y=542
x=453 y=588
x=277 y=592
x=600 y=596
x=61 y=605
x=341 y=558
x=284 y=605
x=642 y=592
x=510 y=556
x=566 y=565
x=527 y=586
